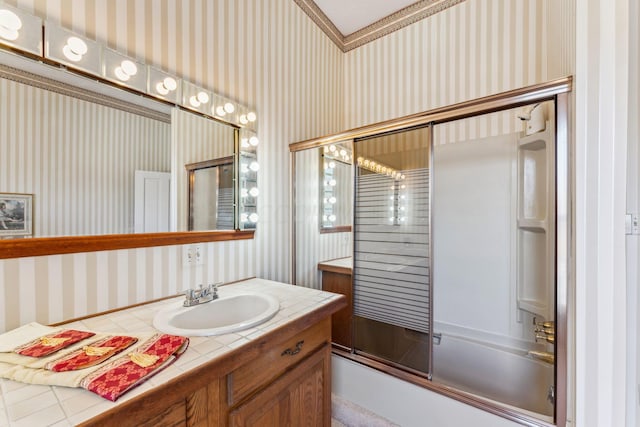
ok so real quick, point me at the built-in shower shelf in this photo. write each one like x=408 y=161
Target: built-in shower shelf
x=535 y=241
x=536 y=141
x=534 y=225
x=532 y=306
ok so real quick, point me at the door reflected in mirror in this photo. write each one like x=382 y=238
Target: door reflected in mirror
x=211 y=197
x=336 y=187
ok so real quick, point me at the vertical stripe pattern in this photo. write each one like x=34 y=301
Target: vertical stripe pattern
x=266 y=55
x=271 y=57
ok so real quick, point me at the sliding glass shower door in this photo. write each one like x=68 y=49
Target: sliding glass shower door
x=391 y=248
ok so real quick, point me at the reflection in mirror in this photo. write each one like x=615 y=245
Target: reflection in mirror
x=77 y=158
x=248 y=177
x=93 y=167
x=312 y=245
x=336 y=187
x=196 y=140
x=211 y=195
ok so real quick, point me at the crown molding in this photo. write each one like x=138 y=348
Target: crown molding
x=400 y=19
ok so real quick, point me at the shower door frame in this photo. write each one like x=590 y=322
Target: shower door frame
x=559 y=92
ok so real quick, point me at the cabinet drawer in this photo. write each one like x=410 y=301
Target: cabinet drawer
x=275 y=360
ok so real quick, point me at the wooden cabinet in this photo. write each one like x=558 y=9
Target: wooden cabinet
x=282 y=378
x=338 y=280
x=297 y=398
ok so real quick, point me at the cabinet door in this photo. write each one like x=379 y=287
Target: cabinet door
x=300 y=397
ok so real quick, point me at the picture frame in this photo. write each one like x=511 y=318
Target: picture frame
x=16 y=215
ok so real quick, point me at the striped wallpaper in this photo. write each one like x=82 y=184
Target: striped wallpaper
x=459 y=54
x=270 y=56
x=77 y=158
x=267 y=55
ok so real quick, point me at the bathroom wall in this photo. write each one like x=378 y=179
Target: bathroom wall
x=267 y=55
x=458 y=54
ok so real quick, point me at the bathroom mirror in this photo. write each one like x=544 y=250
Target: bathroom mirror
x=75 y=146
x=336 y=187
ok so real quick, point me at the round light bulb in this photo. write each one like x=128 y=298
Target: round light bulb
x=251 y=117
x=244 y=192
x=161 y=89
x=244 y=168
x=254 y=192
x=254 y=166
x=203 y=97
x=253 y=217
x=77 y=45
x=332 y=182
x=244 y=217
x=332 y=200
x=121 y=74
x=332 y=164
x=332 y=218
x=70 y=54
x=129 y=67
x=220 y=111
x=332 y=148
x=343 y=152
x=254 y=141
x=10 y=23
x=244 y=143
x=170 y=83
x=194 y=101
x=243 y=119
x=324 y=218
x=229 y=107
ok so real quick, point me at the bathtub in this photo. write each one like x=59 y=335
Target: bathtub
x=503 y=375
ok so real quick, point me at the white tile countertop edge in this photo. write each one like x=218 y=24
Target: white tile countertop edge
x=37 y=405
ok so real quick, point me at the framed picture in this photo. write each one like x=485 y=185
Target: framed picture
x=16 y=215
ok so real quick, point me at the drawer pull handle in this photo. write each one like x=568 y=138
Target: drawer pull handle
x=293 y=352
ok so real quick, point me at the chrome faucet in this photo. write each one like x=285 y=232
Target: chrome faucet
x=200 y=295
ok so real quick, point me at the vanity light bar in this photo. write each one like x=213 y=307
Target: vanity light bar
x=379 y=168
x=21 y=31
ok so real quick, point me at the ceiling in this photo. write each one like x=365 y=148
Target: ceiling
x=350 y=16
x=353 y=23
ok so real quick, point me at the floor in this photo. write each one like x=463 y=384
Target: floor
x=348 y=414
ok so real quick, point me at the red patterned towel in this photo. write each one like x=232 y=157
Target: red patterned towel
x=51 y=343
x=128 y=371
x=92 y=354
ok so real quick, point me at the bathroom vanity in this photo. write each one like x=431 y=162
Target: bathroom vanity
x=274 y=374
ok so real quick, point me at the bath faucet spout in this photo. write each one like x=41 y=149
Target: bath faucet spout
x=542 y=355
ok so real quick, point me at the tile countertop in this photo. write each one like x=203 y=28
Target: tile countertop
x=37 y=405
x=338 y=265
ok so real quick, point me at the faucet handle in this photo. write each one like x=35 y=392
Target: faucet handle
x=213 y=287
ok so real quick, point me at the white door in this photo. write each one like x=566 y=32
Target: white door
x=151 y=201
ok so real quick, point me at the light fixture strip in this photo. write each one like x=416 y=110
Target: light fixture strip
x=23 y=33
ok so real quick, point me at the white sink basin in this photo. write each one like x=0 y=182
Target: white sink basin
x=221 y=316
